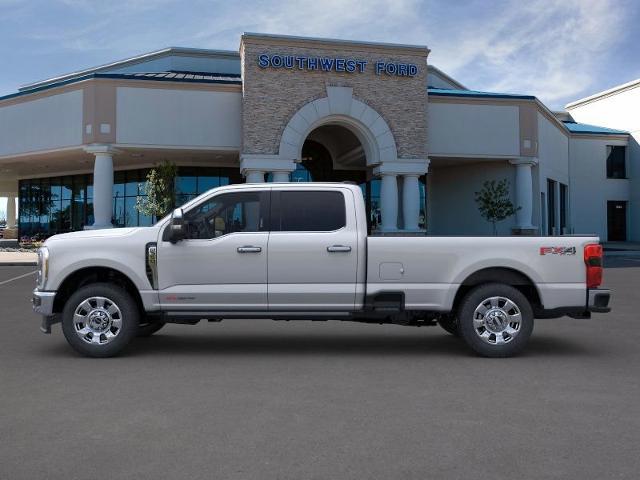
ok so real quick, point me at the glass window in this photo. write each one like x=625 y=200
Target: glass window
x=67 y=188
x=564 y=205
x=131 y=185
x=119 y=218
x=131 y=214
x=207 y=183
x=186 y=185
x=228 y=213
x=616 y=162
x=312 y=211
x=551 y=207
x=119 y=180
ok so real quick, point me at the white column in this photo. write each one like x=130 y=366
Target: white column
x=280 y=176
x=524 y=192
x=389 y=202
x=410 y=201
x=11 y=211
x=254 y=176
x=102 y=186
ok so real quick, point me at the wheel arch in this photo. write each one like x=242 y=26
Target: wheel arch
x=505 y=275
x=87 y=275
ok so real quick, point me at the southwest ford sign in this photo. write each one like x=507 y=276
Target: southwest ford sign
x=331 y=64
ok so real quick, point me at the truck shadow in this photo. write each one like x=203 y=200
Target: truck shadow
x=336 y=345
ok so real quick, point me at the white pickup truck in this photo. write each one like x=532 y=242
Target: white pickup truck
x=300 y=251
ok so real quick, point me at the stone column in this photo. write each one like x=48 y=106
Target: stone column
x=280 y=176
x=410 y=201
x=409 y=170
x=389 y=202
x=254 y=166
x=11 y=212
x=102 y=186
x=254 y=176
x=524 y=195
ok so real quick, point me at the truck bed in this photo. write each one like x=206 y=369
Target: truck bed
x=430 y=269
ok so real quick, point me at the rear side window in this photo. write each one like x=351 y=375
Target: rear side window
x=311 y=211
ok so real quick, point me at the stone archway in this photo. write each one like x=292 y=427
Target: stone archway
x=340 y=108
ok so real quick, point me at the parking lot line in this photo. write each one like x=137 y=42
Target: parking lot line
x=18 y=277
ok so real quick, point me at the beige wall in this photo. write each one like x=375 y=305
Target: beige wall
x=272 y=96
x=49 y=122
x=451 y=202
x=460 y=129
x=170 y=117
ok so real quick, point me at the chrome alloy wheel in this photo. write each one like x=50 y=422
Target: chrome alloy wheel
x=497 y=320
x=97 y=320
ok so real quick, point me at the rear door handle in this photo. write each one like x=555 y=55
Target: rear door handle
x=338 y=248
x=249 y=249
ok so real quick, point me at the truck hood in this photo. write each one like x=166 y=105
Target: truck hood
x=102 y=234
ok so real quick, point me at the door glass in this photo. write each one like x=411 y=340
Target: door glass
x=228 y=213
x=311 y=211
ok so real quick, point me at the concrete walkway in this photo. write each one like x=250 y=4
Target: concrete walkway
x=18 y=258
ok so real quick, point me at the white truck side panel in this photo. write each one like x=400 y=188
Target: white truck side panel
x=430 y=269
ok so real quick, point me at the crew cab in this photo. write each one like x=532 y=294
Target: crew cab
x=301 y=251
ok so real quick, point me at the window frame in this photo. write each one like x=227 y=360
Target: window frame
x=609 y=169
x=266 y=192
x=276 y=212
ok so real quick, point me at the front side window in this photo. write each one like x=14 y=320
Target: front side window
x=311 y=211
x=616 y=161
x=228 y=213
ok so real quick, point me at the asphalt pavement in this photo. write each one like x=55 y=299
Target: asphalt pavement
x=322 y=400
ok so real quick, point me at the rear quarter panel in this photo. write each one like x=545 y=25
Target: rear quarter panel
x=431 y=269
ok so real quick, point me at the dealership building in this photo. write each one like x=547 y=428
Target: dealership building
x=75 y=149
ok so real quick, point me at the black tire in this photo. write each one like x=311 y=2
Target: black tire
x=513 y=344
x=449 y=323
x=149 y=328
x=127 y=329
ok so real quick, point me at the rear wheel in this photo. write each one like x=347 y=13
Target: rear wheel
x=495 y=320
x=100 y=319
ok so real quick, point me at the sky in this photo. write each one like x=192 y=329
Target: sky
x=558 y=50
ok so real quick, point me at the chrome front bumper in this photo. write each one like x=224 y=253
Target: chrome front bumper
x=42 y=303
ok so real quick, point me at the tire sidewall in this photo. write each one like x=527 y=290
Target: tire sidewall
x=129 y=325
x=471 y=302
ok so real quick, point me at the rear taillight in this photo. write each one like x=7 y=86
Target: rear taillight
x=593 y=261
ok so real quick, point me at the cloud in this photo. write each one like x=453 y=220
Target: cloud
x=555 y=49
x=551 y=49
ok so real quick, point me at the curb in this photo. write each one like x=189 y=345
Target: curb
x=18 y=264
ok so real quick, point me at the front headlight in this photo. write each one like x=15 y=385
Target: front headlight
x=43 y=267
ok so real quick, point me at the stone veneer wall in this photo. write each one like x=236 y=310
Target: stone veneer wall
x=271 y=96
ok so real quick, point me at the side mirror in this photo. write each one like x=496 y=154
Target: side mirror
x=177 y=227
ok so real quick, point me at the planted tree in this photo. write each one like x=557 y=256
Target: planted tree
x=494 y=202
x=160 y=195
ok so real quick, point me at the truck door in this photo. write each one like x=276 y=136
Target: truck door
x=222 y=264
x=313 y=250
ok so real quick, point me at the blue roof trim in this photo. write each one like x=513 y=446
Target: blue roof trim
x=444 y=92
x=225 y=79
x=575 y=127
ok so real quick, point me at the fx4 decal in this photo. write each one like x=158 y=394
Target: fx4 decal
x=557 y=250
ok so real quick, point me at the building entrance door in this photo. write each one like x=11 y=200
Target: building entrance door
x=616 y=221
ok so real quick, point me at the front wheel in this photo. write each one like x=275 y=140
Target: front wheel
x=100 y=319
x=495 y=320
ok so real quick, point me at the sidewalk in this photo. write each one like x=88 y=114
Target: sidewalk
x=18 y=259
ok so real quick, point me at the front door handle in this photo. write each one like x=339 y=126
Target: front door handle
x=338 y=248
x=249 y=249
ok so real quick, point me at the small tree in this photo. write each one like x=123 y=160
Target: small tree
x=160 y=192
x=494 y=203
